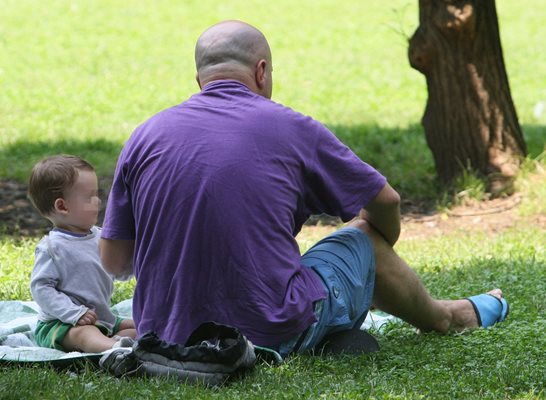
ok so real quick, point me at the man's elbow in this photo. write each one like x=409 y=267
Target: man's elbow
x=390 y=197
x=394 y=199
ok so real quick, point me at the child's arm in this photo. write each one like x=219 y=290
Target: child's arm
x=43 y=286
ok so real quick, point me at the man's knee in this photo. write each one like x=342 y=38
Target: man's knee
x=377 y=239
x=363 y=225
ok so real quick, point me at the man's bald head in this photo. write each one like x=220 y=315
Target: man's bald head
x=231 y=50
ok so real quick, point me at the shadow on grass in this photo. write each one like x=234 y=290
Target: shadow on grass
x=17 y=159
x=505 y=359
x=401 y=154
x=17 y=216
x=535 y=137
x=520 y=273
x=503 y=362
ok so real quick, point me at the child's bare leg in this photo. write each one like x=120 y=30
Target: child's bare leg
x=127 y=328
x=127 y=333
x=88 y=339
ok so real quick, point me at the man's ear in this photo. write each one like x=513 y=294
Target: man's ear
x=60 y=206
x=261 y=73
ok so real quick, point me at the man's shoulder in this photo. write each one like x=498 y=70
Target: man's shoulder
x=273 y=116
x=285 y=113
x=160 y=117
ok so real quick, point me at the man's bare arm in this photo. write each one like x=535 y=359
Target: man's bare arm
x=117 y=256
x=383 y=213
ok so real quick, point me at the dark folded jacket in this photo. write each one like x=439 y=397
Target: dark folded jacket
x=212 y=355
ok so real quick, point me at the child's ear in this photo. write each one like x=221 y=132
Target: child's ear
x=60 y=206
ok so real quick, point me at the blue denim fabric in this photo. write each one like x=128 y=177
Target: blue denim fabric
x=345 y=262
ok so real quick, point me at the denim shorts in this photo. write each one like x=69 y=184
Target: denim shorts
x=345 y=263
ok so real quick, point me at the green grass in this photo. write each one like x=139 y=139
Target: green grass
x=504 y=362
x=78 y=77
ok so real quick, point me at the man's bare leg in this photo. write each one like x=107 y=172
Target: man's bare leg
x=400 y=292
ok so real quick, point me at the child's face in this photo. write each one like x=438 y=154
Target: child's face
x=82 y=202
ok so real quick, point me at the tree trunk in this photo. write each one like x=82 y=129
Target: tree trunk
x=470 y=120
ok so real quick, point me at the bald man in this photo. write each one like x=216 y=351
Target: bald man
x=209 y=195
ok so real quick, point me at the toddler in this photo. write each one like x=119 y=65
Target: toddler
x=68 y=281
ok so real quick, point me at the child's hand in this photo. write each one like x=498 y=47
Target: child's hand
x=89 y=318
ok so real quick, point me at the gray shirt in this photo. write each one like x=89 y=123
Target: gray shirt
x=68 y=279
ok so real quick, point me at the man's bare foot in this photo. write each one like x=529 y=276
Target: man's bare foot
x=463 y=315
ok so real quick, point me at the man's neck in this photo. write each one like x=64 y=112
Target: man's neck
x=239 y=76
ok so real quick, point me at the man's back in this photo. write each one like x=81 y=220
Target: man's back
x=208 y=195
x=219 y=187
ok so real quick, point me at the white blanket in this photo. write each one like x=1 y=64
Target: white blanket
x=18 y=321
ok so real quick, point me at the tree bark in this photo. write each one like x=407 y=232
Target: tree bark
x=470 y=120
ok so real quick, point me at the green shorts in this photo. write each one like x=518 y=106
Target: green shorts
x=50 y=334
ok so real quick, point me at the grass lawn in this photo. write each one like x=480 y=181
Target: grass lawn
x=78 y=77
x=504 y=362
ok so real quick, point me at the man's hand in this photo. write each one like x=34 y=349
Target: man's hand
x=89 y=318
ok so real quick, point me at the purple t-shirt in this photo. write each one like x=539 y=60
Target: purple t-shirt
x=214 y=191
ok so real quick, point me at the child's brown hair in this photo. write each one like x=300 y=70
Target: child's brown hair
x=51 y=177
